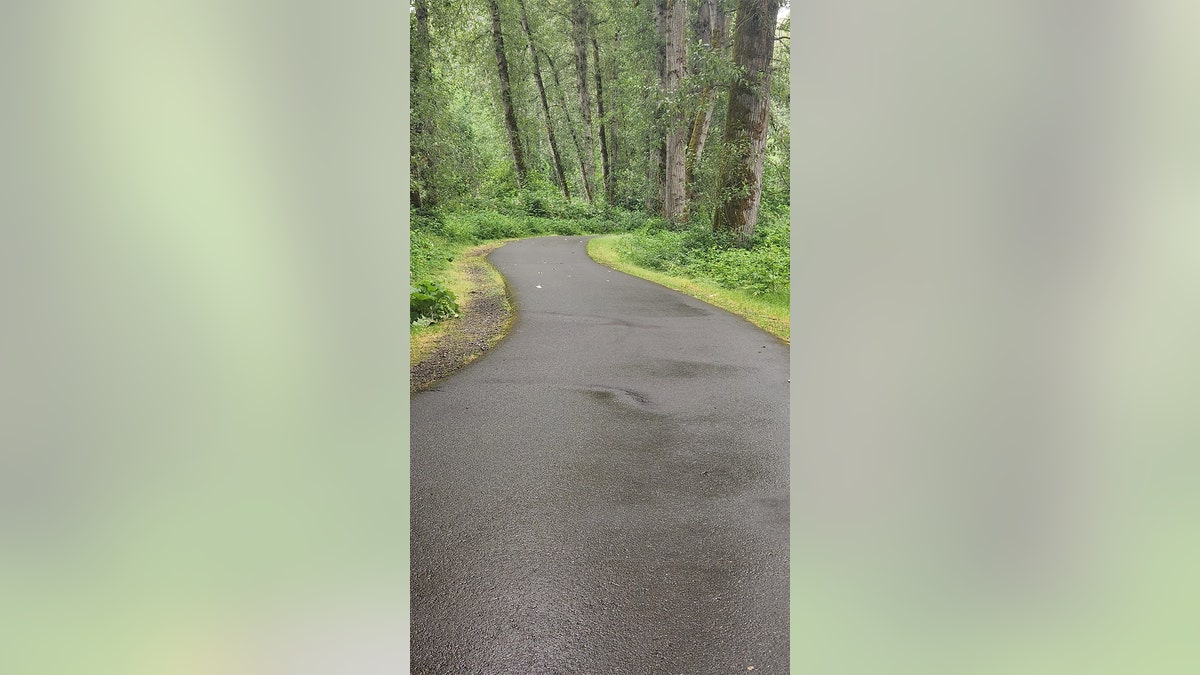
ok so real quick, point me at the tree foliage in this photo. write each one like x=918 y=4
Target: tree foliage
x=639 y=89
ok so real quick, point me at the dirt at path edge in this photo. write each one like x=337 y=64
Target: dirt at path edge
x=485 y=316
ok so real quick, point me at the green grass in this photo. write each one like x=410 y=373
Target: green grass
x=439 y=239
x=459 y=279
x=751 y=281
x=769 y=311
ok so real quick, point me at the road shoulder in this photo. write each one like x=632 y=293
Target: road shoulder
x=485 y=315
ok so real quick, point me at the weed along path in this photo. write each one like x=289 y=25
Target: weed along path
x=606 y=490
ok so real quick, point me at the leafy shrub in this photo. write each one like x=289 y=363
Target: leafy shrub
x=498 y=226
x=762 y=268
x=536 y=204
x=429 y=301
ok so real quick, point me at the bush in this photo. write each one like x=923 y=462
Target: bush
x=498 y=226
x=429 y=301
x=762 y=268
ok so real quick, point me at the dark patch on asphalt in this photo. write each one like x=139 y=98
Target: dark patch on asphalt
x=625 y=397
x=678 y=368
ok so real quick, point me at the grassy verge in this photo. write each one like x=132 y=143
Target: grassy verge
x=468 y=276
x=770 y=312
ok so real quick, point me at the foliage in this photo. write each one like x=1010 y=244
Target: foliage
x=429 y=301
x=436 y=237
x=762 y=268
x=428 y=253
x=463 y=144
x=463 y=162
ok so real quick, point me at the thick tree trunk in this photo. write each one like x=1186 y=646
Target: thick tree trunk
x=510 y=117
x=537 y=77
x=675 y=197
x=712 y=27
x=746 y=120
x=579 y=33
x=420 y=160
x=604 y=158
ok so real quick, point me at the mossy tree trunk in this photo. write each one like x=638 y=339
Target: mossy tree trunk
x=745 y=136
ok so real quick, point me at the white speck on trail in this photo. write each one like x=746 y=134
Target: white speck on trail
x=539 y=286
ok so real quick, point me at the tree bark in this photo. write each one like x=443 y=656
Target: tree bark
x=579 y=33
x=712 y=28
x=510 y=117
x=746 y=120
x=613 y=125
x=537 y=77
x=656 y=166
x=420 y=191
x=609 y=189
x=675 y=197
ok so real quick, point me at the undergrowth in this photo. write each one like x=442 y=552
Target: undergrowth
x=762 y=267
x=437 y=237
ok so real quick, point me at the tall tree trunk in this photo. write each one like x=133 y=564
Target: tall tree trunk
x=656 y=167
x=745 y=136
x=712 y=28
x=675 y=197
x=613 y=161
x=579 y=33
x=510 y=117
x=420 y=191
x=567 y=113
x=609 y=197
x=537 y=77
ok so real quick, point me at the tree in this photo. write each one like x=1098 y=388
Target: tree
x=609 y=186
x=541 y=87
x=746 y=119
x=510 y=117
x=579 y=37
x=656 y=136
x=675 y=159
x=567 y=114
x=612 y=120
x=421 y=160
x=712 y=29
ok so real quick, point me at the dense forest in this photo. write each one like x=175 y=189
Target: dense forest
x=666 y=119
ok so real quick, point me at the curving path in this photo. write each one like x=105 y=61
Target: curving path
x=606 y=491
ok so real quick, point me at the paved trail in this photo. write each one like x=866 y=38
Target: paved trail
x=605 y=491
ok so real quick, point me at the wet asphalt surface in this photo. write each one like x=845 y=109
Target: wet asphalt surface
x=606 y=491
